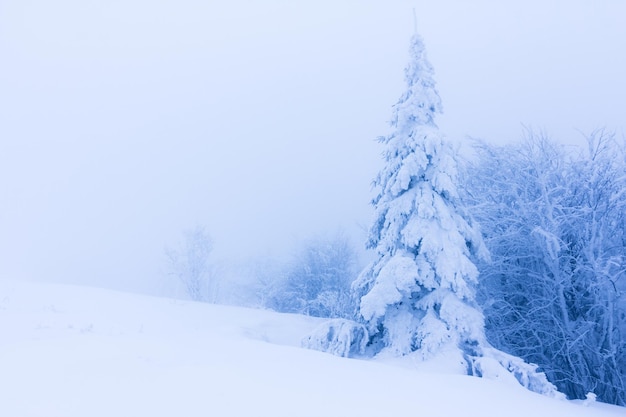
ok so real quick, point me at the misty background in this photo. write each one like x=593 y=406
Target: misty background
x=123 y=123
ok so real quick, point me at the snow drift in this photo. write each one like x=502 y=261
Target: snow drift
x=71 y=351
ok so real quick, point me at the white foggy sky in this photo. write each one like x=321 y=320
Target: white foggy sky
x=124 y=122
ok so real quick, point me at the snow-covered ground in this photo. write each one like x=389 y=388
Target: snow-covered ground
x=72 y=351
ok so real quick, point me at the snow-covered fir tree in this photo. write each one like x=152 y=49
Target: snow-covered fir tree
x=417 y=297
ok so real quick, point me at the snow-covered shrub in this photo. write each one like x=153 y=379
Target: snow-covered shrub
x=554 y=291
x=492 y=363
x=317 y=281
x=340 y=337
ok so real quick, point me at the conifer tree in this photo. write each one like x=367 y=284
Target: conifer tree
x=417 y=297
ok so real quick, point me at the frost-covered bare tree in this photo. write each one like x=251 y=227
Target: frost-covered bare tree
x=189 y=263
x=553 y=292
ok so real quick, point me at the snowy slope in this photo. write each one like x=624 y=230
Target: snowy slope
x=72 y=351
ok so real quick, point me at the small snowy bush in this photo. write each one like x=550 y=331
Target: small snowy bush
x=492 y=363
x=340 y=337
